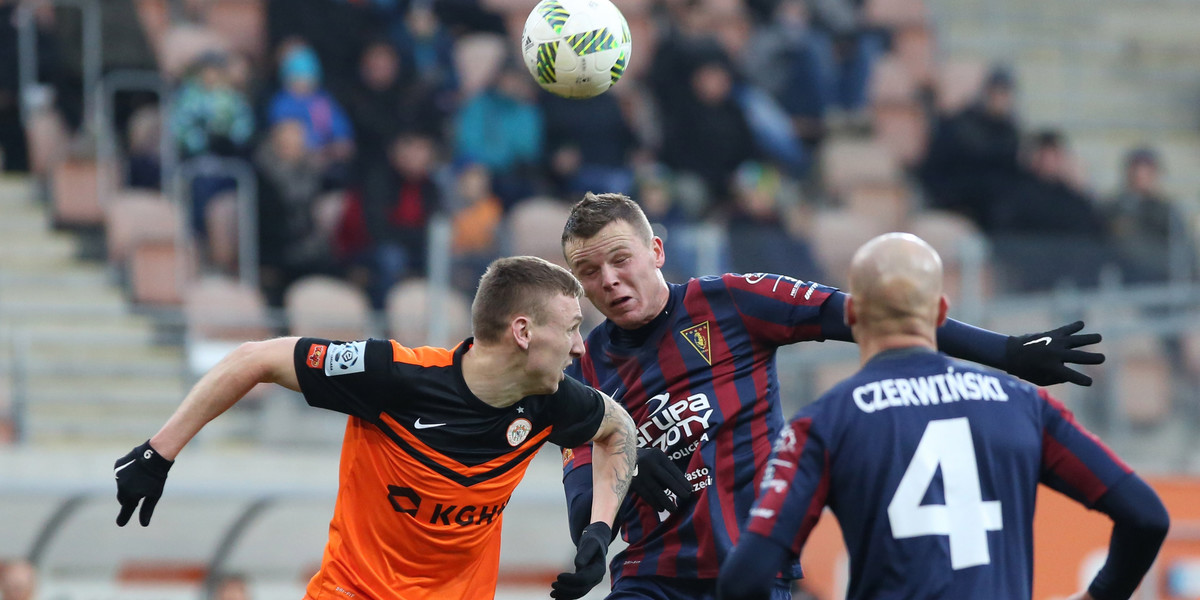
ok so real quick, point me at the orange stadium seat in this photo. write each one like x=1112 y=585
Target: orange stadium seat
x=183 y=44
x=897 y=116
x=47 y=138
x=896 y=14
x=958 y=83
x=850 y=162
x=949 y=233
x=1143 y=390
x=535 y=226
x=836 y=235
x=408 y=314
x=155 y=20
x=143 y=232
x=77 y=196
x=243 y=24
x=220 y=308
x=221 y=221
x=325 y=307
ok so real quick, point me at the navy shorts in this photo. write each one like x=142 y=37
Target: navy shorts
x=651 y=587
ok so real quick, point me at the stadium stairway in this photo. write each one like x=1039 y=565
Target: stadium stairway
x=1110 y=73
x=86 y=366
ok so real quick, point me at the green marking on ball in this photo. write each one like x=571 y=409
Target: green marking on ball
x=618 y=68
x=547 y=53
x=590 y=42
x=554 y=14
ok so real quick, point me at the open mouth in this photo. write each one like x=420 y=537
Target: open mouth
x=621 y=301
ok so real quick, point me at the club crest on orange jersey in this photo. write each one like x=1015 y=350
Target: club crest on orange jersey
x=316 y=356
x=518 y=430
x=697 y=336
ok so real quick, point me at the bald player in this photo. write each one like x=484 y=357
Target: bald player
x=932 y=465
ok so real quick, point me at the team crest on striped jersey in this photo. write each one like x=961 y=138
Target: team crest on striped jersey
x=697 y=336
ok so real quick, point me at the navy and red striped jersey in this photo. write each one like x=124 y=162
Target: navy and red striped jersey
x=931 y=466
x=701 y=385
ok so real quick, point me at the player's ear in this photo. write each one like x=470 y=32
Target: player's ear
x=850 y=312
x=522 y=331
x=660 y=255
x=943 y=309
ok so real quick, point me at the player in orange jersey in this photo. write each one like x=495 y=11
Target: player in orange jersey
x=436 y=441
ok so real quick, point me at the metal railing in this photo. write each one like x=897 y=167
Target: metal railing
x=247 y=207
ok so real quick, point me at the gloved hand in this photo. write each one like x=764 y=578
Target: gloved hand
x=590 y=558
x=140 y=475
x=1040 y=358
x=656 y=478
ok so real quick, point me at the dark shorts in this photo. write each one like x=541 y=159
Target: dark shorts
x=671 y=588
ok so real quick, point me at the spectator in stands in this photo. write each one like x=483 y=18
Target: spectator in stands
x=289 y=185
x=143 y=168
x=1044 y=226
x=210 y=118
x=502 y=128
x=209 y=115
x=708 y=135
x=18 y=580
x=425 y=44
x=327 y=128
x=589 y=153
x=387 y=100
x=767 y=222
x=477 y=214
x=1153 y=240
x=384 y=227
x=973 y=154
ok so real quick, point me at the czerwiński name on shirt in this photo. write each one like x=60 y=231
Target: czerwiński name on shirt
x=929 y=390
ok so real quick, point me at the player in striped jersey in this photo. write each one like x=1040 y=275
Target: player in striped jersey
x=932 y=465
x=694 y=364
x=436 y=440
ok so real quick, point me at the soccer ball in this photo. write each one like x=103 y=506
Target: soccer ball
x=576 y=48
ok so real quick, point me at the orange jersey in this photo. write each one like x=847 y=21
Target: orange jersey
x=427 y=468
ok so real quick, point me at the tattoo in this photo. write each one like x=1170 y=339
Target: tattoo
x=623 y=444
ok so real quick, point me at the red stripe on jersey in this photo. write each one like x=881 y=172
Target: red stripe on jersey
x=815 y=506
x=723 y=381
x=1066 y=465
x=1069 y=417
x=674 y=371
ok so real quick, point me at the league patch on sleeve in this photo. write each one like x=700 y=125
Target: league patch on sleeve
x=344 y=359
x=316 y=356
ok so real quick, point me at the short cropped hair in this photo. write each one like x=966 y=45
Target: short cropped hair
x=591 y=214
x=514 y=286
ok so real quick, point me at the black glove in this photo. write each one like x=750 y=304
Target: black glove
x=658 y=481
x=589 y=563
x=140 y=475
x=1040 y=358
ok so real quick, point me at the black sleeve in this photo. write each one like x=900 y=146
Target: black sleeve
x=1140 y=523
x=347 y=377
x=577 y=411
x=749 y=572
x=578 y=486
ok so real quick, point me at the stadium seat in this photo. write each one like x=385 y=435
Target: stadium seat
x=534 y=228
x=891 y=82
x=325 y=307
x=914 y=46
x=953 y=236
x=242 y=23
x=478 y=57
x=134 y=216
x=47 y=138
x=1143 y=390
x=182 y=45
x=895 y=14
x=836 y=235
x=77 y=198
x=850 y=162
x=408 y=314
x=958 y=83
x=143 y=232
x=220 y=308
x=886 y=203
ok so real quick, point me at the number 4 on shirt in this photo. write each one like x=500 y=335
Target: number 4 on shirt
x=965 y=516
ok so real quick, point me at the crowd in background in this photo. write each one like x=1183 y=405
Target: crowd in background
x=361 y=128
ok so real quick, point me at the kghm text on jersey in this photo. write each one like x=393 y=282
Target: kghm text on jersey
x=942 y=388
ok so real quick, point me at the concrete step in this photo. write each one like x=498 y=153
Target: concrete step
x=53 y=247
x=34 y=298
x=83 y=385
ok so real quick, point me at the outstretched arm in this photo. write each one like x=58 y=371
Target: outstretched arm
x=232 y=378
x=142 y=473
x=1039 y=358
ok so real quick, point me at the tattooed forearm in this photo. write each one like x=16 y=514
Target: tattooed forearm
x=613 y=461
